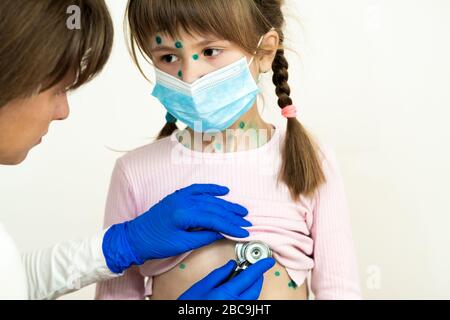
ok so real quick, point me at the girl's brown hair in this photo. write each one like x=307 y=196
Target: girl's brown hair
x=242 y=22
x=38 y=49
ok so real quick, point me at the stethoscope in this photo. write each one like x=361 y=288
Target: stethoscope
x=249 y=253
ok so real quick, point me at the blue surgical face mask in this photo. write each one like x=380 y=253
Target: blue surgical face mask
x=213 y=102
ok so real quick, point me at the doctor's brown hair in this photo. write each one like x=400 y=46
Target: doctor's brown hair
x=38 y=50
x=242 y=22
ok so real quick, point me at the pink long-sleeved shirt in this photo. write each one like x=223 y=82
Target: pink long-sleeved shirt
x=311 y=234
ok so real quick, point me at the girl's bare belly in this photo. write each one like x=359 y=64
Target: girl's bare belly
x=170 y=285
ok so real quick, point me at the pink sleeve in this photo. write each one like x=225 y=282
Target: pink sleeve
x=335 y=272
x=120 y=207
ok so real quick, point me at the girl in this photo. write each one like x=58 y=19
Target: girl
x=41 y=59
x=208 y=55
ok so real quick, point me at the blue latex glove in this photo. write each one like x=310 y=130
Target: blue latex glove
x=166 y=230
x=246 y=285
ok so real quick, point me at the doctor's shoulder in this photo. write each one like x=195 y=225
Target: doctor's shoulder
x=12 y=272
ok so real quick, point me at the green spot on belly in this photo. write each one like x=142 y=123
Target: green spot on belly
x=277 y=273
x=182 y=266
x=292 y=284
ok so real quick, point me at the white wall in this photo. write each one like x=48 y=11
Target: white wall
x=372 y=79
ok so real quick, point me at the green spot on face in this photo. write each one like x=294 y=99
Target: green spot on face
x=195 y=57
x=182 y=266
x=158 y=40
x=242 y=125
x=180 y=74
x=277 y=273
x=178 y=44
x=292 y=284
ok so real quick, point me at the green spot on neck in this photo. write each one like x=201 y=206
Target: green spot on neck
x=182 y=266
x=292 y=284
x=277 y=273
x=195 y=57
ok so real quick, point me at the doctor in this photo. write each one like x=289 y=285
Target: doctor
x=41 y=58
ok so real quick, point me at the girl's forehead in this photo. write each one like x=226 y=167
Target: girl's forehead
x=188 y=36
x=163 y=41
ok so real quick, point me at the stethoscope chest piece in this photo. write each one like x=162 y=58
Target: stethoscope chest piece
x=251 y=252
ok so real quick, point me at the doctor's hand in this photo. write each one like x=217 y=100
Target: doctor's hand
x=166 y=229
x=246 y=285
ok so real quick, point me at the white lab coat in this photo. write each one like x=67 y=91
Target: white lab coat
x=52 y=272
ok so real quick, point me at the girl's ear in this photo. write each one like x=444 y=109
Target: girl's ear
x=270 y=45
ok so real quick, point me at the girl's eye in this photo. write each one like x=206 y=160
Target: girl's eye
x=212 y=52
x=168 y=58
x=171 y=58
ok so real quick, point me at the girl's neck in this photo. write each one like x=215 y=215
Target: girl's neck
x=249 y=132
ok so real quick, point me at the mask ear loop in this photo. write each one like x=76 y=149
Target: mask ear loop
x=259 y=44
x=257 y=47
x=253 y=57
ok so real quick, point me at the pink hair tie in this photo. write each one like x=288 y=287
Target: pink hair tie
x=289 y=111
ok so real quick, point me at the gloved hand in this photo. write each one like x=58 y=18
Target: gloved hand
x=246 y=285
x=166 y=229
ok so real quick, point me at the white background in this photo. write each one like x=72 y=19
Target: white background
x=371 y=78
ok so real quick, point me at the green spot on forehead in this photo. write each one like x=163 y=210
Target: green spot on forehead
x=178 y=44
x=195 y=57
x=158 y=40
x=182 y=266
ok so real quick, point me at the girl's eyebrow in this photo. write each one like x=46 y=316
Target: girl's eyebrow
x=199 y=44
